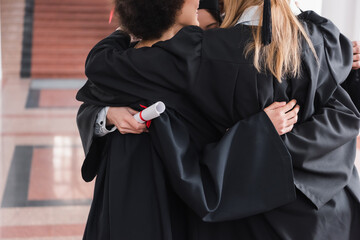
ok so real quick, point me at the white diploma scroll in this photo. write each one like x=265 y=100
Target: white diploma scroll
x=151 y=112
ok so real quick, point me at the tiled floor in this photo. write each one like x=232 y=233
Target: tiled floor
x=41 y=191
x=42 y=194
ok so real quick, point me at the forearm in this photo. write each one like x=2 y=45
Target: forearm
x=335 y=124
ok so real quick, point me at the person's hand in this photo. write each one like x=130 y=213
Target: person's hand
x=356 y=56
x=122 y=118
x=283 y=116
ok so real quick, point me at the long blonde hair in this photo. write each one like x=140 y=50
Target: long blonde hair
x=282 y=57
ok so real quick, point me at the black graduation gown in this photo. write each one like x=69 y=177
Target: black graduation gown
x=210 y=70
x=352 y=86
x=132 y=199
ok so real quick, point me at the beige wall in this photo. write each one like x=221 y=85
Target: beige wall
x=345 y=14
x=314 y=5
x=0 y=56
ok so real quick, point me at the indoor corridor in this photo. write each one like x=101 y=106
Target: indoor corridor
x=44 y=44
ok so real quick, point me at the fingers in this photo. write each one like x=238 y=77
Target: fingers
x=126 y=128
x=289 y=120
x=129 y=131
x=286 y=130
x=290 y=105
x=283 y=118
x=130 y=125
x=356 y=57
x=293 y=113
x=123 y=119
x=356 y=65
x=135 y=125
x=131 y=111
x=292 y=121
x=356 y=49
x=275 y=105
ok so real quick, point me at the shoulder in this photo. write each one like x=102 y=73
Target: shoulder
x=227 y=44
x=187 y=36
x=117 y=39
x=334 y=50
x=185 y=45
x=321 y=30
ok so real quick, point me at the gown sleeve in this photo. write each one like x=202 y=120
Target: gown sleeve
x=92 y=145
x=248 y=171
x=108 y=64
x=111 y=72
x=323 y=149
x=323 y=145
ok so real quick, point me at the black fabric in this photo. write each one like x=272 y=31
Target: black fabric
x=209 y=4
x=266 y=30
x=131 y=200
x=338 y=219
x=132 y=184
x=86 y=117
x=352 y=86
x=209 y=86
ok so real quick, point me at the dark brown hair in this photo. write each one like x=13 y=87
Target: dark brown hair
x=147 y=19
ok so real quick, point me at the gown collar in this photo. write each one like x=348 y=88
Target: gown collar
x=251 y=16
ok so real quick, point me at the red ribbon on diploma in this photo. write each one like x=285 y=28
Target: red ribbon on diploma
x=148 y=123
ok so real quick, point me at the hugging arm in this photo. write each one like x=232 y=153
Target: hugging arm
x=323 y=148
x=229 y=179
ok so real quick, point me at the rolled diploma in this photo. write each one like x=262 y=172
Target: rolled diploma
x=151 y=112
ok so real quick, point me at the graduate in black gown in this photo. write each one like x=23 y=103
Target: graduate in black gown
x=210 y=70
x=133 y=198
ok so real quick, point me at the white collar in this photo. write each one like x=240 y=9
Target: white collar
x=251 y=15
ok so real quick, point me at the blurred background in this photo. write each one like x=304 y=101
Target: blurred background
x=44 y=44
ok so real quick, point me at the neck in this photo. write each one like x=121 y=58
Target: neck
x=168 y=34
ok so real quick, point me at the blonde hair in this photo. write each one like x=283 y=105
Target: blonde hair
x=282 y=57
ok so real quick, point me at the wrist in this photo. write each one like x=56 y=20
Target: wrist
x=109 y=121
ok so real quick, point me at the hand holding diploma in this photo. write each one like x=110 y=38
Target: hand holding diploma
x=123 y=119
x=150 y=113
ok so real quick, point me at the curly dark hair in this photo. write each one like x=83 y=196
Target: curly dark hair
x=147 y=19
